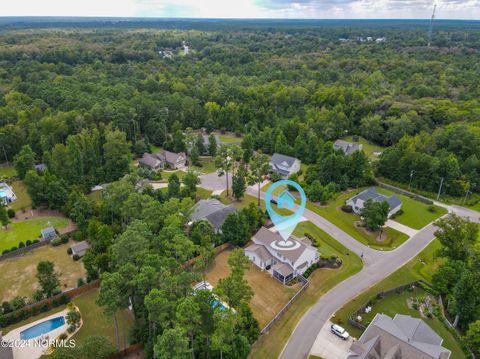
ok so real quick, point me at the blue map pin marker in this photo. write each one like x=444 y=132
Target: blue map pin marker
x=285 y=225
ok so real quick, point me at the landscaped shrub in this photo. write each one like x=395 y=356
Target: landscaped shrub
x=13 y=249
x=80 y=282
x=71 y=329
x=56 y=242
x=310 y=270
x=431 y=209
x=274 y=177
x=76 y=257
x=347 y=209
x=37 y=295
x=69 y=251
x=35 y=241
x=28 y=242
x=21 y=245
x=63 y=336
x=11 y=213
x=64 y=238
x=5 y=251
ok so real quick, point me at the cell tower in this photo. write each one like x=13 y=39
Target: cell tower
x=430 y=29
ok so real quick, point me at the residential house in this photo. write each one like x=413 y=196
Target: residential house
x=41 y=167
x=286 y=259
x=401 y=337
x=48 y=233
x=357 y=202
x=150 y=161
x=172 y=160
x=206 y=143
x=213 y=211
x=347 y=147
x=80 y=248
x=284 y=165
x=7 y=195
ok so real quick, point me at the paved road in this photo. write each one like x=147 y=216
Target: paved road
x=377 y=266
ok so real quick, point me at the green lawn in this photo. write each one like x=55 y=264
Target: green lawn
x=207 y=165
x=95 y=322
x=421 y=267
x=345 y=221
x=226 y=138
x=96 y=197
x=368 y=147
x=415 y=213
x=23 y=198
x=28 y=230
x=7 y=172
x=203 y=193
x=167 y=174
x=321 y=281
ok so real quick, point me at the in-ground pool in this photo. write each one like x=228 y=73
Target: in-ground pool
x=218 y=304
x=42 y=328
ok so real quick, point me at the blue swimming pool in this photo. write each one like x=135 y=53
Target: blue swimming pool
x=42 y=328
x=218 y=304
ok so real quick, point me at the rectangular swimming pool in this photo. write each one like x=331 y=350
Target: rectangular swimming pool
x=42 y=328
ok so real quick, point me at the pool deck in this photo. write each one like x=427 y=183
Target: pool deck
x=34 y=350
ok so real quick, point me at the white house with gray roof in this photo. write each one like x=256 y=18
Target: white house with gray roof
x=213 y=211
x=402 y=337
x=172 y=159
x=287 y=259
x=357 y=202
x=347 y=147
x=284 y=165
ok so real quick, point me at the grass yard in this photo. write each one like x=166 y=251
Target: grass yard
x=7 y=172
x=207 y=165
x=245 y=201
x=17 y=274
x=95 y=322
x=23 y=198
x=368 y=147
x=269 y=294
x=28 y=230
x=345 y=221
x=421 y=267
x=397 y=304
x=415 y=213
x=167 y=174
x=227 y=138
x=203 y=193
x=321 y=281
x=96 y=197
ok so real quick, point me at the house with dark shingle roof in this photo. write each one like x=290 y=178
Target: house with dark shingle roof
x=287 y=259
x=357 y=202
x=401 y=337
x=171 y=159
x=80 y=248
x=150 y=161
x=213 y=211
x=284 y=165
x=347 y=147
x=48 y=233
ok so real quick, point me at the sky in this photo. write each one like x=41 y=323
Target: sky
x=308 y=9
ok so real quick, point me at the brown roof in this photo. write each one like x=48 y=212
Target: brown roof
x=283 y=268
x=260 y=251
x=149 y=160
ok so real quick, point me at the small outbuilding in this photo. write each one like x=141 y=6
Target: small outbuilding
x=48 y=233
x=80 y=248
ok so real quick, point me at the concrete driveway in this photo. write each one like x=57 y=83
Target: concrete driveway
x=401 y=228
x=215 y=183
x=330 y=346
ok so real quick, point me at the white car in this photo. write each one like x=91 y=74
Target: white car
x=339 y=331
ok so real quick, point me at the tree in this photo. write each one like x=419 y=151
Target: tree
x=375 y=214
x=172 y=344
x=116 y=155
x=446 y=277
x=173 y=186
x=190 y=181
x=224 y=162
x=467 y=297
x=195 y=156
x=24 y=161
x=212 y=145
x=259 y=167
x=239 y=183
x=457 y=235
x=235 y=230
x=4 y=220
x=224 y=334
x=47 y=278
x=472 y=337
x=188 y=317
x=247 y=146
x=112 y=298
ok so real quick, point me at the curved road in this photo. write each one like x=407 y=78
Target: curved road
x=377 y=266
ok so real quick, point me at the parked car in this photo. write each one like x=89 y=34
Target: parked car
x=268 y=267
x=339 y=331
x=274 y=201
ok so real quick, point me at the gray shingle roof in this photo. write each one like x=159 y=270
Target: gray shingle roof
x=371 y=193
x=266 y=237
x=48 y=232
x=283 y=160
x=213 y=211
x=170 y=157
x=80 y=248
x=347 y=147
x=149 y=160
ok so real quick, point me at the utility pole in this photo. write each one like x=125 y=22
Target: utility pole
x=411 y=177
x=440 y=189
x=430 y=28
x=469 y=191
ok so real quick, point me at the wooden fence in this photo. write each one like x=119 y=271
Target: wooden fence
x=306 y=283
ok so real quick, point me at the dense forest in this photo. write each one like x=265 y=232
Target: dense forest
x=86 y=96
x=291 y=87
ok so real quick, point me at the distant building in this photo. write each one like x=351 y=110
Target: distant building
x=48 y=233
x=213 y=211
x=380 y=39
x=41 y=167
x=287 y=259
x=357 y=202
x=7 y=195
x=284 y=165
x=171 y=159
x=347 y=147
x=80 y=248
x=402 y=337
x=150 y=161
